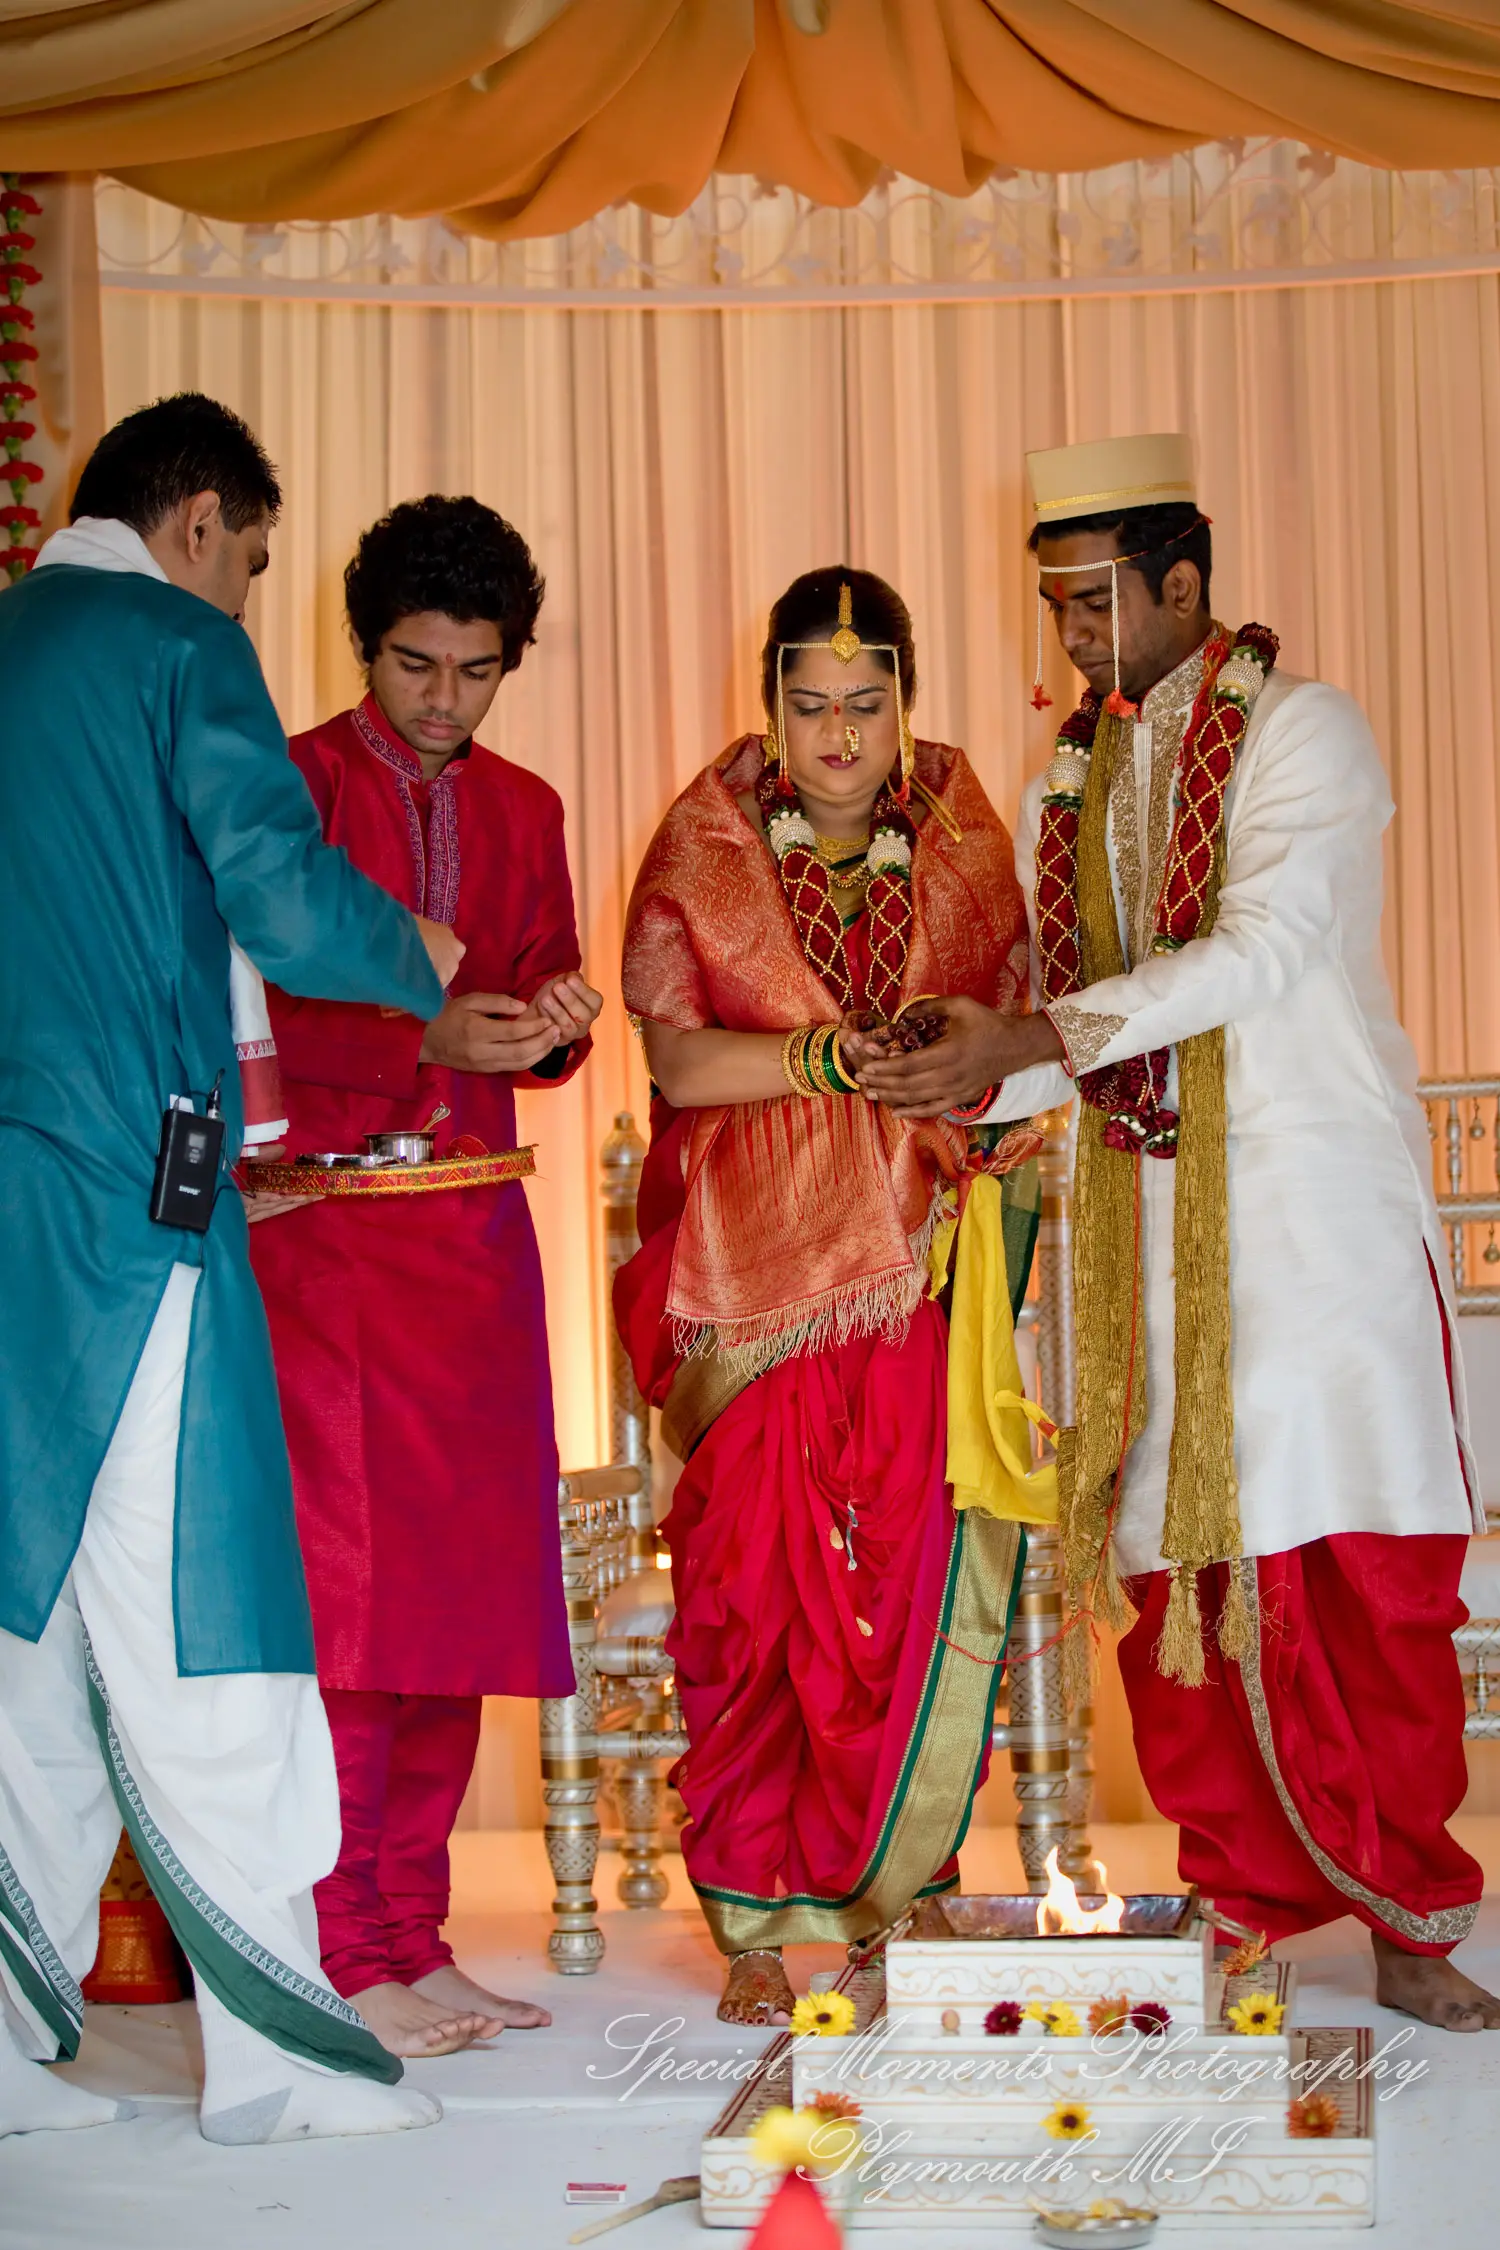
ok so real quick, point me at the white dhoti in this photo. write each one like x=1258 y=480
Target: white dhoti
x=226 y=1787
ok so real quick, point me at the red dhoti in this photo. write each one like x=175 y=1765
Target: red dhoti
x=1316 y=1778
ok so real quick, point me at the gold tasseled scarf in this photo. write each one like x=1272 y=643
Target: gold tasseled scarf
x=1202 y=1514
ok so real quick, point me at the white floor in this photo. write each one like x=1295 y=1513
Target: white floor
x=583 y=2102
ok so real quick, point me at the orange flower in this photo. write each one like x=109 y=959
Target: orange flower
x=1108 y=2016
x=1314 y=2118
x=1246 y=1957
x=835 y=2105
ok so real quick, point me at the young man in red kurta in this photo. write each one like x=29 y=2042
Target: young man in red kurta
x=409 y=1335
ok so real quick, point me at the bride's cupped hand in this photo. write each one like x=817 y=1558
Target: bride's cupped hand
x=858 y=1046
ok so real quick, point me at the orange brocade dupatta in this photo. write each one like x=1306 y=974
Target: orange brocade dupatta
x=806 y=1222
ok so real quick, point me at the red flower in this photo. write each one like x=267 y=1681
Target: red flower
x=16 y=199
x=21 y=430
x=1151 y=2018
x=1004 y=2019
x=12 y=350
x=14 y=241
x=16 y=514
x=12 y=269
x=21 y=472
x=15 y=315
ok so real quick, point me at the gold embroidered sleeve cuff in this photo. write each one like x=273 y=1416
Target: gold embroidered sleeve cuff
x=1083 y=1033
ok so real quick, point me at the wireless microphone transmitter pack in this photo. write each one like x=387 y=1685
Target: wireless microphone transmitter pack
x=187 y=1168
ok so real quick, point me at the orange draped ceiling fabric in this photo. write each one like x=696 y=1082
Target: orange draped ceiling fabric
x=525 y=117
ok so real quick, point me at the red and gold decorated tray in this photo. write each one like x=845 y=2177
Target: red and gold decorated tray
x=483 y=1170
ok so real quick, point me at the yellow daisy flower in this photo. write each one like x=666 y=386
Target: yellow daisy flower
x=823 y=2015
x=1257 y=2015
x=1056 y=2018
x=783 y=2139
x=1070 y=2121
x=806 y=2140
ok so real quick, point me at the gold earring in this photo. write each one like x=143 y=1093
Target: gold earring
x=908 y=750
x=770 y=745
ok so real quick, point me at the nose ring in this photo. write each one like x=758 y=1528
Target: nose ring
x=850 y=750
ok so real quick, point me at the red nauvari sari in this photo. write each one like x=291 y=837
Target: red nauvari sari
x=840 y=1628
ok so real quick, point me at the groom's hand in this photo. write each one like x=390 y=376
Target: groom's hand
x=979 y=1048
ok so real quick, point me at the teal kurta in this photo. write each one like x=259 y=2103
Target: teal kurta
x=148 y=807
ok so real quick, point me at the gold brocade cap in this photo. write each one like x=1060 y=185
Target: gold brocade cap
x=1108 y=473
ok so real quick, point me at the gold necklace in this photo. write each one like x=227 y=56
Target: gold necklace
x=844 y=859
x=831 y=849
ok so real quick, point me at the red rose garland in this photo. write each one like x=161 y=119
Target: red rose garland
x=1132 y=1093
x=17 y=352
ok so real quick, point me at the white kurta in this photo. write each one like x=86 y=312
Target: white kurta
x=1343 y=1416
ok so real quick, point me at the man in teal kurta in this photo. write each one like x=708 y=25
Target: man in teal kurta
x=155 y=1647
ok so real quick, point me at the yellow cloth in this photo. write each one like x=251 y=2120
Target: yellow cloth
x=989 y=1443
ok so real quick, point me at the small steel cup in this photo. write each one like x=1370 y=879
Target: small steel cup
x=401 y=1148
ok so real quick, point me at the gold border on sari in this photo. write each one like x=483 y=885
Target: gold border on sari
x=928 y=1816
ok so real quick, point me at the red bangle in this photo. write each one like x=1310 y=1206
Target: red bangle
x=972 y=1112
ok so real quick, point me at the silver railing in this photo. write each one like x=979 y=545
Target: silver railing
x=1463 y=1122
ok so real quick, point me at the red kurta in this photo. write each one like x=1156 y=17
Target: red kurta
x=409 y=1334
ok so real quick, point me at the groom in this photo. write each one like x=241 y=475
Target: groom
x=1270 y=1456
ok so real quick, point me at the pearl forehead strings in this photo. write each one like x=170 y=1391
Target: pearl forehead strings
x=1118 y=702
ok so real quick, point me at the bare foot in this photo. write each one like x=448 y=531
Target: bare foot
x=1428 y=1987
x=448 y=1987
x=406 y=2024
x=755 y=1990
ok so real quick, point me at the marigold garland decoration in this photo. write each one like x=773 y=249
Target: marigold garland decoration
x=1106 y=2017
x=1314 y=2118
x=16 y=353
x=1004 y=2019
x=1258 y=2015
x=1234 y=672
x=1069 y=2121
x=823 y=2015
x=1151 y=2019
x=1056 y=2019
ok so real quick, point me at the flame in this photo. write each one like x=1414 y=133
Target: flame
x=1060 y=1915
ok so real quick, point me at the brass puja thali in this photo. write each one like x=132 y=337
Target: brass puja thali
x=372 y=1173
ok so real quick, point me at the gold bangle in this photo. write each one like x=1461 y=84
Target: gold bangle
x=806 y=1062
x=835 y=1069
x=793 y=1063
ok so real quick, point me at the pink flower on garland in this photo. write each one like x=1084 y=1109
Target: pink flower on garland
x=1151 y=2019
x=1004 y=2019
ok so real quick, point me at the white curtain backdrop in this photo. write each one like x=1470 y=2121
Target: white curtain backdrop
x=673 y=469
